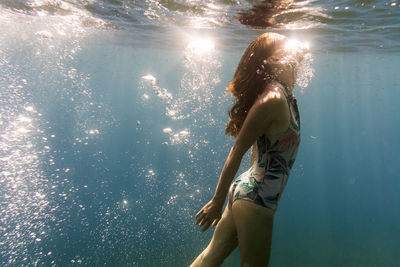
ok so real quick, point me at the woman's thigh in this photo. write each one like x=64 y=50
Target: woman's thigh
x=254 y=228
x=224 y=239
x=223 y=242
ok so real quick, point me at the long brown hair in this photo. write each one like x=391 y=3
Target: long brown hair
x=252 y=75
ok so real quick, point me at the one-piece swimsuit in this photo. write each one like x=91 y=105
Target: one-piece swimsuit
x=264 y=181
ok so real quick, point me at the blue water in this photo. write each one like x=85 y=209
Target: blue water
x=103 y=164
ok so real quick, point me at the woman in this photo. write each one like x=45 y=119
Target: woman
x=264 y=115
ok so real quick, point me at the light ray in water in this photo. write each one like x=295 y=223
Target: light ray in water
x=24 y=195
x=201 y=45
x=200 y=77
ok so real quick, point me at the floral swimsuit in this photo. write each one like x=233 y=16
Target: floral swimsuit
x=264 y=182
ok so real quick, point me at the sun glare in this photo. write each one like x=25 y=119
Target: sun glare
x=200 y=46
x=294 y=45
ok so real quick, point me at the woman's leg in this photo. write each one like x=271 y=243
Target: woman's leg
x=223 y=242
x=254 y=228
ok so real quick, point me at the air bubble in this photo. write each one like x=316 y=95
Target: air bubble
x=168 y=131
x=150 y=78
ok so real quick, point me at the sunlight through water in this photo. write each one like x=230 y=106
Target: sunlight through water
x=113 y=116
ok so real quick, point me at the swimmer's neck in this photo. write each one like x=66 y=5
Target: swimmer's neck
x=286 y=83
x=287 y=79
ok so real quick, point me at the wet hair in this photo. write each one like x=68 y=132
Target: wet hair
x=251 y=77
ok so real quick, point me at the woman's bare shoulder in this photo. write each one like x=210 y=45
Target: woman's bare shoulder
x=272 y=99
x=272 y=104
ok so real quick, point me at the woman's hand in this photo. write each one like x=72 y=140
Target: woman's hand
x=209 y=214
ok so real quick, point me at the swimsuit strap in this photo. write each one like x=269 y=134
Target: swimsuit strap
x=286 y=89
x=289 y=96
x=292 y=103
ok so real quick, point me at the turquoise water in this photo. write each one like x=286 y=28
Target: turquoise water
x=112 y=131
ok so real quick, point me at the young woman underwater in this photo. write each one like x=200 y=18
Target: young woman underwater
x=264 y=115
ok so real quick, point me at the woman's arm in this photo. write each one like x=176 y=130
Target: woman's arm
x=262 y=114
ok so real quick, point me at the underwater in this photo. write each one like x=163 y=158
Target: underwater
x=112 y=129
